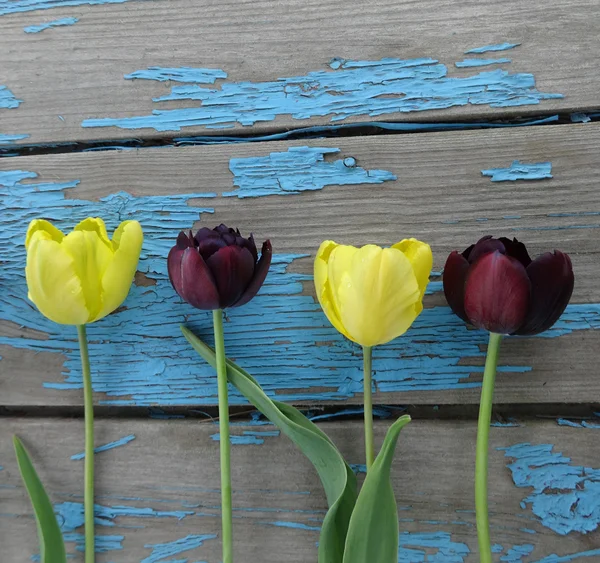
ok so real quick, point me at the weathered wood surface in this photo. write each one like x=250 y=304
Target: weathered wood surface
x=138 y=354
x=163 y=488
x=268 y=50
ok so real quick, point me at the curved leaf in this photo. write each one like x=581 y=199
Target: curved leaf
x=336 y=476
x=52 y=547
x=373 y=531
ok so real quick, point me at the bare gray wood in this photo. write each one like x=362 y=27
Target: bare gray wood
x=440 y=196
x=164 y=486
x=69 y=74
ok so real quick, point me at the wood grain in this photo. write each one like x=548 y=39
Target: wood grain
x=169 y=472
x=69 y=74
x=440 y=196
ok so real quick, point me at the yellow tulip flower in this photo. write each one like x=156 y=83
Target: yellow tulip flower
x=81 y=277
x=372 y=294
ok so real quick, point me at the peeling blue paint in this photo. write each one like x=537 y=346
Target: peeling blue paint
x=380 y=412
x=109 y=446
x=297 y=170
x=248 y=437
x=468 y=63
x=180 y=74
x=7 y=99
x=448 y=551
x=49 y=25
x=580 y=424
x=349 y=88
x=8 y=139
x=495 y=47
x=161 y=551
x=358 y=467
x=294 y=525
x=140 y=357
x=15 y=6
x=565 y=497
x=568 y=558
x=516 y=553
x=520 y=171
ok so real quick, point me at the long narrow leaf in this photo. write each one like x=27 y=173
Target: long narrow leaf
x=52 y=547
x=373 y=531
x=336 y=476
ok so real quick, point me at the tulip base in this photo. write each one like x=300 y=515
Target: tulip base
x=88 y=407
x=481 y=456
x=225 y=447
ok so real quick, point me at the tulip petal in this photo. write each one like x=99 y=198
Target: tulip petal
x=91 y=257
x=323 y=285
x=454 y=279
x=96 y=225
x=552 y=281
x=377 y=294
x=43 y=225
x=517 y=250
x=174 y=268
x=260 y=273
x=52 y=281
x=421 y=258
x=497 y=293
x=116 y=281
x=197 y=284
x=232 y=268
x=484 y=246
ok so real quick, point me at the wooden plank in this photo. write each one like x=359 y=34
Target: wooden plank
x=163 y=488
x=440 y=195
x=74 y=73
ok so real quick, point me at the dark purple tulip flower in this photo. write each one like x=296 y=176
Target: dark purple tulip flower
x=496 y=286
x=217 y=268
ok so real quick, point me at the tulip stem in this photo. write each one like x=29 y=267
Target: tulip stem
x=368 y=401
x=226 y=517
x=481 y=456
x=88 y=407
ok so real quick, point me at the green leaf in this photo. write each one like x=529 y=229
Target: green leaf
x=373 y=531
x=336 y=476
x=52 y=547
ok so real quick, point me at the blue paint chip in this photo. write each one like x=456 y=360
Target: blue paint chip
x=495 y=47
x=16 y=6
x=516 y=553
x=358 y=467
x=105 y=447
x=568 y=558
x=346 y=89
x=179 y=74
x=162 y=551
x=49 y=25
x=565 y=496
x=296 y=170
x=469 y=63
x=431 y=547
x=520 y=171
x=10 y=139
x=7 y=99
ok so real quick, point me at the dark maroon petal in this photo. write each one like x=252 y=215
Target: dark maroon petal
x=209 y=245
x=197 y=283
x=485 y=245
x=247 y=243
x=497 y=293
x=174 y=267
x=552 y=281
x=454 y=278
x=206 y=233
x=232 y=268
x=516 y=249
x=184 y=240
x=260 y=273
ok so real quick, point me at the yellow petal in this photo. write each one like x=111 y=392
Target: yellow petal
x=95 y=224
x=91 y=258
x=377 y=294
x=42 y=225
x=323 y=286
x=52 y=281
x=419 y=254
x=116 y=281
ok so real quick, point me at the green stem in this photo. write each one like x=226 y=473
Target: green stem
x=481 y=456
x=368 y=401
x=88 y=407
x=226 y=517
